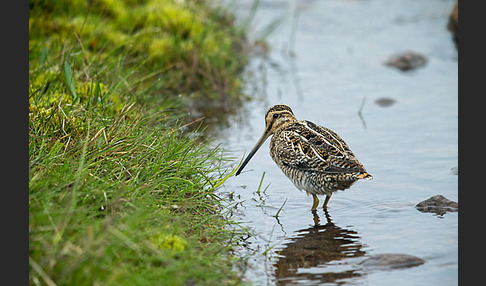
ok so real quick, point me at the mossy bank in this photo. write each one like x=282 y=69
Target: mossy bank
x=120 y=193
x=164 y=53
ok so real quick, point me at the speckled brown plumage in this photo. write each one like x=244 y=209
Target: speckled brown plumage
x=314 y=158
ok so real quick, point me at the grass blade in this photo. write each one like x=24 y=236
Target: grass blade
x=278 y=212
x=221 y=181
x=260 y=185
x=68 y=72
x=43 y=56
x=41 y=272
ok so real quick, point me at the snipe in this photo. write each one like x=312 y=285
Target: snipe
x=313 y=157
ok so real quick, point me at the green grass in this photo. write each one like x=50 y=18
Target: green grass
x=126 y=206
x=120 y=193
x=164 y=53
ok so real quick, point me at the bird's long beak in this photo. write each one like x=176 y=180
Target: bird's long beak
x=253 y=151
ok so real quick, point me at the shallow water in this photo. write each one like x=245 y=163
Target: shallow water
x=326 y=61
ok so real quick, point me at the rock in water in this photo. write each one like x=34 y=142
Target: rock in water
x=455 y=170
x=385 y=101
x=389 y=261
x=407 y=61
x=437 y=204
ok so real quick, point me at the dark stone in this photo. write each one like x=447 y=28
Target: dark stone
x=385 y=101
x=455 y=170
x=438 y=204
x=407 y=61
x=389 y=261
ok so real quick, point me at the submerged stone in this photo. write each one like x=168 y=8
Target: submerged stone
x=389 y=261
x=438 y=204
x=406 y=61
x=455 y=170
x=385 y=101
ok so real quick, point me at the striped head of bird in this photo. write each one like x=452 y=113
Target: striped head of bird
x=277 y=117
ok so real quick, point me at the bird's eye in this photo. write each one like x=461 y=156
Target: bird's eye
x=275 y=115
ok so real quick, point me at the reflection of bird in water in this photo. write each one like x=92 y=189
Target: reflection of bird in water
x=313 y=157
x=314 y=247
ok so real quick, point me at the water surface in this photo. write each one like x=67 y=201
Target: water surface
x=326 y=61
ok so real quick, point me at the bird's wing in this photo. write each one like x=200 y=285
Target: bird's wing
x=308 y=146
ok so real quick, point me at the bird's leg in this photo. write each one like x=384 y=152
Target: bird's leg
x=328 y=197
x=315 y=203
x=316 y=218
x=328 y=217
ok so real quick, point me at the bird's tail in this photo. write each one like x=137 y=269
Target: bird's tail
x=365 y=176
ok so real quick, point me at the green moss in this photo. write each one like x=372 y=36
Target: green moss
x=53 y=108
x=191 y=46
x=172 y=242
